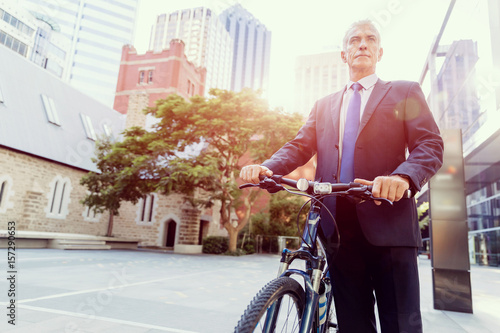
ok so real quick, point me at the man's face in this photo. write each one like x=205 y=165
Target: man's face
x=363 y=50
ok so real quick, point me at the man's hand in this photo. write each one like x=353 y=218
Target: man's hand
x=388 y=187
x=250 y=173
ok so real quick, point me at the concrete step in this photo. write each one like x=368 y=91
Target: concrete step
x=79 y=244
x=86 y=247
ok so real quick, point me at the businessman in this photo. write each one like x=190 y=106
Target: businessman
x=379 y=133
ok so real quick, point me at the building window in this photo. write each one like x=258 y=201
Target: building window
x=185 y=14
x=108 y=131
x=13 y=43
x=58 y=198
x=2 y=189
x=150 y=77
x=172 y=17
x=90 y=215
x=50 y=110
x=6 y=193
x=198 y=13
x=141 y=77
x=88 y=126
x=146 y=209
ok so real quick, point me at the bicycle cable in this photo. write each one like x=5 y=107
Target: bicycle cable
x=316 y=200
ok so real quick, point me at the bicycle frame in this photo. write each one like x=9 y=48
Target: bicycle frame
x=314 y=275
x=315 y=266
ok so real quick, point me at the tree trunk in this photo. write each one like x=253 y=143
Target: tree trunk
x=110 y=224
x=233 y=238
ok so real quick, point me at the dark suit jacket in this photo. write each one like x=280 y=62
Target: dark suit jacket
x=395 y=118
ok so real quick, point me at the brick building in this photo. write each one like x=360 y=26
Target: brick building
x=159 y=220
x=156 y=74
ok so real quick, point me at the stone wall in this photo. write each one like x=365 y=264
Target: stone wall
x=29 y=194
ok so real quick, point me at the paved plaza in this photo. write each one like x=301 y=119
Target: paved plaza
x=140 y=291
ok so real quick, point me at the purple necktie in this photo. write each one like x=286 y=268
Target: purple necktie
x=350 y=133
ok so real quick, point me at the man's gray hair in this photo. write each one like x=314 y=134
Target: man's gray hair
x=359 y=24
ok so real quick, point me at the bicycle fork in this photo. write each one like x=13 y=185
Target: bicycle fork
x=312 y=275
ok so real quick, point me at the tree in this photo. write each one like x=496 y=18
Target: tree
x=117 y=180
x=281 y=220
x=195 y=145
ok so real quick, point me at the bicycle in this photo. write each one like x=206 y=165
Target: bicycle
x=284 y=305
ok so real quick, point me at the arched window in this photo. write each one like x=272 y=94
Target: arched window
x=59 y=198
x=6 y=193
x=2 y=189
x=146 y=209
x=90 y=215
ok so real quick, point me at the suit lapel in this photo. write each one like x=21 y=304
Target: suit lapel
x=379 y=91
x=335 y=104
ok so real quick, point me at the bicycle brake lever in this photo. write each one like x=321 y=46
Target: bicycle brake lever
x=267 y=184
x=382 y=199
x=242 y=186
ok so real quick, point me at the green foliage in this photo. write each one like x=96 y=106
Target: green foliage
x=282 y=217
x=246 y=244
x=215 y=245
x=118 y=180
x=423 y=215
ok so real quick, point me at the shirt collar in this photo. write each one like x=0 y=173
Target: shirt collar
x=367 y=82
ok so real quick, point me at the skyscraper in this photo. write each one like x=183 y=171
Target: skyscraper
x=252 y=47
x=317 y=75
x=458 y=104
x=207 y=42
x=97 y=30
x=34 y=37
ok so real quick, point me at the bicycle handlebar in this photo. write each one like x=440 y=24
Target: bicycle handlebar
x=274 y=184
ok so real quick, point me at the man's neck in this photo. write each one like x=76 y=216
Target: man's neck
x=355 y=76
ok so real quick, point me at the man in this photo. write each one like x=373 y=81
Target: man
x=363 y=133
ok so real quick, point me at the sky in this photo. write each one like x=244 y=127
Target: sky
x=407 y=27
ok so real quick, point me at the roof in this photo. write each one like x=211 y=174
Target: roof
x=24 y=121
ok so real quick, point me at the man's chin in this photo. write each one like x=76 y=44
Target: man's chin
x=362 y=64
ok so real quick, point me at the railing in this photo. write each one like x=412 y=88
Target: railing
x=275 y=244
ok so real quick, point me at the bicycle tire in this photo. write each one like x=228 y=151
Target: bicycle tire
x=283 y=291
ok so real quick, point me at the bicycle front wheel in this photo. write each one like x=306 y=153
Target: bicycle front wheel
x=278 y=307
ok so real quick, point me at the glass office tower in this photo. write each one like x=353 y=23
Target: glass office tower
x=317 y=75
x=97 y=30
x=252 y=49
x=207 y=42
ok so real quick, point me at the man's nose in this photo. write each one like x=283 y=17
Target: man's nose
x=362 y=44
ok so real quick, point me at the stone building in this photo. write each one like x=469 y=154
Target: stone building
x=47 y=135
x=48 y=131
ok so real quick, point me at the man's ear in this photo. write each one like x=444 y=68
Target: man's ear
x=343 y=56
x=380 y=53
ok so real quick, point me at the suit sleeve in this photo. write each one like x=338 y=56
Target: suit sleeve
x=424 y=141
x=298 y=151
